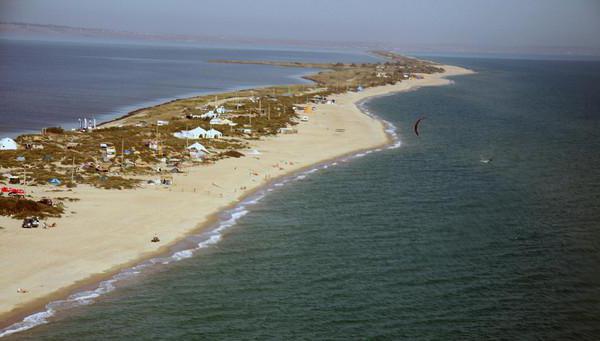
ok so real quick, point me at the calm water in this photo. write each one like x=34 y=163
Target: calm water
x=422 y=242
x=50 y=83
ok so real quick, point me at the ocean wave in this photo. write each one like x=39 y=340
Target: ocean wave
x=206 y=239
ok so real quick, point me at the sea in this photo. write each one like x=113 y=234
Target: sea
x=483 y=227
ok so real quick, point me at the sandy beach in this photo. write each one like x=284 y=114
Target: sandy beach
x=106 y=230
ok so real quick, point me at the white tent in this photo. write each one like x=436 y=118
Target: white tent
x=221 y=110
x=218 y=121
x=8 y=144
x=213 y=133
x=195 y=133
x=197 y=147
x=210 y=114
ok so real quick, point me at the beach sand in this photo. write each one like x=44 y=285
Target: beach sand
x=112 y=229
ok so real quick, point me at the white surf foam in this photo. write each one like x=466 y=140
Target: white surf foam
x=208 y=239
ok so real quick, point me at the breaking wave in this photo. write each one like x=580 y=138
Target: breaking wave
x=182 y=251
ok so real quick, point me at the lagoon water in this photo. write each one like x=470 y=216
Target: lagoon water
x=421 y=242
x=50 y=83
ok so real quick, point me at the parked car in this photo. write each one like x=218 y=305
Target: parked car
x=29 y=223
x=12 y=192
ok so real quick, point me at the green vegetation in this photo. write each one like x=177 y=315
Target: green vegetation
x=119 y=152
x=22 y=208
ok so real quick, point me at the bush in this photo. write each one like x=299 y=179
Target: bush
x=54 y=130
x=23 y=208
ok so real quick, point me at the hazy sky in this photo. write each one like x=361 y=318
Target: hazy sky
x=482 y=23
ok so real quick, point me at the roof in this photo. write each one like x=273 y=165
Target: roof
x=197 y=146
x=190 y=134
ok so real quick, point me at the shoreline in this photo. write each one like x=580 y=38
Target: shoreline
x=204 y=225
x=134 y=109
x=125 y=111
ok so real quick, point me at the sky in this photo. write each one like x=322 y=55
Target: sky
x=493 y=24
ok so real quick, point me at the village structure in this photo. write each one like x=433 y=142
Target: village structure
x=148 y=145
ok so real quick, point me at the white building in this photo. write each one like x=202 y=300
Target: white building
x=213 y=133
x=208 y=115
x=194 y=134
x=8 y=144
x=197 y=146
x=218 y=121
x=197 y=151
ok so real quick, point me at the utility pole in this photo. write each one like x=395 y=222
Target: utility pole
x=122 y=154
x=157 y=142
x=73 y=171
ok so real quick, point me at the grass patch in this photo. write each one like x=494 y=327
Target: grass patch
x=23 y=208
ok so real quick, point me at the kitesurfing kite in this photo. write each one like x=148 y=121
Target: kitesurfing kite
x=416 y=126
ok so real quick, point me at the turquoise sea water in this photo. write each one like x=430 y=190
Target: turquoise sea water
x=421 y=242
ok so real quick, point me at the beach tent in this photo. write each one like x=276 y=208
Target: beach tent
x=197 y=147
x=218 y=121
x=210 y=114
x=213 y=133
x=54 y=181
x=8 y=144
x=190 y=134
